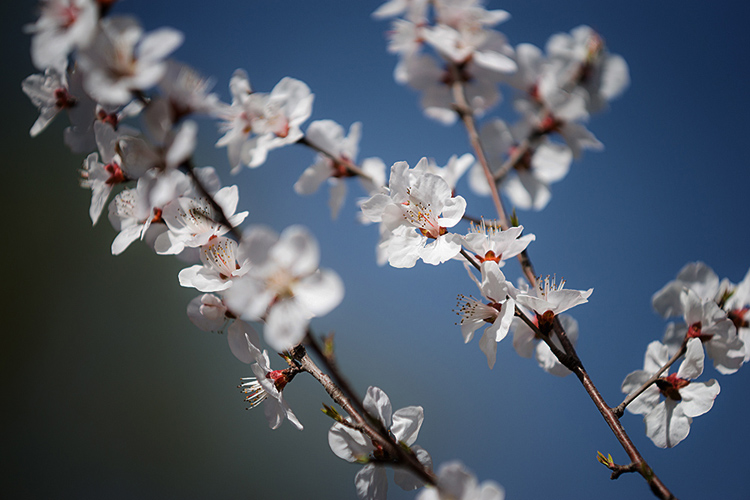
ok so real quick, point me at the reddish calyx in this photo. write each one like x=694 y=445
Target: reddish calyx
x=116 y=175
x=737 y=316
x=694 y=332
x=64 y=99
x=545 y=322
x=340 y=168
x=279 y=378
x=670 y=386
x=489 y=256
x=110 y=118
x=524 y=161
x=549 y=124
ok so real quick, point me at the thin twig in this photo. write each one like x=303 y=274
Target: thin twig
x=630 y=397
x=350 y=167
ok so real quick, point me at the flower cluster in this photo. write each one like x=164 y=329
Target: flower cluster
x=715 y=315
x=131 y=111
x=106 y=73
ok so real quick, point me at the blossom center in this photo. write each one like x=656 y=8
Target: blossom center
x=116 y=175
x=670 y=386
x=694 y=332
x=64 y=99
x=737 y=316
x=279 y=378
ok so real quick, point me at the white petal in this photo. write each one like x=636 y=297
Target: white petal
x=349 y=444
x=371 y=483
x=378 y=404
x=406 y=424
x=320 y=293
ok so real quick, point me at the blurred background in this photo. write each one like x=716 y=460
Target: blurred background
x=110 y=392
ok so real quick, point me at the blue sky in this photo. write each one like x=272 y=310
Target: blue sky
x=111 y=391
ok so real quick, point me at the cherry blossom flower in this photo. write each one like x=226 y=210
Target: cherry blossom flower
x=257 y=122
x=423 y=73
x=489 y=243
x=527 y=185
x=704 y=320
x=737 y=306
x=668 y=421
x=193 y=221
x=328 y=136
x=581 y=56
x=498 y=313
x=102 y=176
x=63 y=26
x=80 y=135
x=354 y=446
x=222 y=263
x=121 y=59
x=415 y=10
x=209 y=313
x=527 y=343
x=698 y=277
x=416 y=213
x=282 y=284
x=453 y=170
x=49 y=93
x=266 y=387
x=188 y=92
x=130 y=216
x=136 y=213
x=456 y=483
x=550 y=299
x=486 y=48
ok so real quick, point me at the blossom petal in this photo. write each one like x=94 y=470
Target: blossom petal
x=406 y=424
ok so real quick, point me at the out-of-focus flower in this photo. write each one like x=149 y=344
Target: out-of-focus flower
x=354 y=446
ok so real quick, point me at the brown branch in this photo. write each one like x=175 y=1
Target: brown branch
x=401 y=455
x=569 y=358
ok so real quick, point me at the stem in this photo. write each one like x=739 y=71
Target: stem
x=513 y=159
x=401 y=455
x=629 y=399
x=332 y=368
x=464 y=111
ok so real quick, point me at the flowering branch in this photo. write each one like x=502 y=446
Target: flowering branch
x=400 y=454
x=620 y=409
x=569 y=358
x=461 y=107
